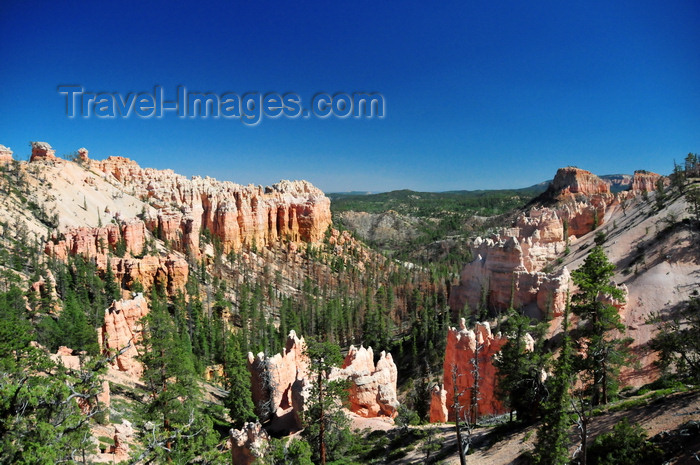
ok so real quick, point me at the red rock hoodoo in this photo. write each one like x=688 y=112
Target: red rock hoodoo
x=465 y=349
x=281 y=382
x=248 y=444
x=122 y=329
x=42 y=151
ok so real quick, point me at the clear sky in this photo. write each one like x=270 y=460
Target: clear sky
x=489 y=94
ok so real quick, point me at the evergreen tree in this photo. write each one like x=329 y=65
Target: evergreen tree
x=326 y=426
x=604 y=353
x=625 y=445
x=692 y=196
x=112 y=288
x=41 y=420
x=239 y=400
x=660 y=193
x=174 y=428
x=74 y=329
x=520 y=381
x=288 y=452
x=678 y=342
x=552 y=446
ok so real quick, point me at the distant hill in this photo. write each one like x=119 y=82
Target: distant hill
x=430 y=204
x=481 y=202
x=340 y=195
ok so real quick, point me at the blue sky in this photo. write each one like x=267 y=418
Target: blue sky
x=478 y=94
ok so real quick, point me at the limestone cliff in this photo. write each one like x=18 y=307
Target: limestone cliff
x=290 y=211
x=646 y=181
x=572 y=180
x=99 y=244
x=509 y=267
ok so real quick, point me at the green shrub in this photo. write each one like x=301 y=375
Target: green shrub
x=625 y=445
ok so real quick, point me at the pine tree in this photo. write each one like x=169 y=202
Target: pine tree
x=520 y=382
x=552 y=446
x=112 y=288
x=41 y=420
x=75 y=331
x=326 y=426
x=604 y=353
x=239 y=400
x=173 y=427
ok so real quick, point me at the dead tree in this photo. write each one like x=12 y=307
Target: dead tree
x=475 y=391
x=462 y=425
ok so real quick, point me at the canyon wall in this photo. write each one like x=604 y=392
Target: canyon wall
x=646 y=181
x=289 y=211
x=510 y=266
x=572 y=180
x=98 y=244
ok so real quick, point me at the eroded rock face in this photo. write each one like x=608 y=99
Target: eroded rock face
x=464 y=348
x=372 y=388
x=438 y=405
x=506 y=271
x=45 y=288
x=42 y=151
x=83 y=155
x=122 y=328
x=509 y=266
x=281 y=383
x=170 y=271
x=289 y=211
x=248 y=444
x=571 y=180
x=5 y=154
x=272 y=378
x=646 y=181
x=92 y=242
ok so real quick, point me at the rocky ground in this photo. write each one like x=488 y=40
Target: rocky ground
x=659 y=418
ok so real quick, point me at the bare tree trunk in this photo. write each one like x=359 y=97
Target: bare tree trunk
x=321 y=431
x=475 y=389
x=457 y=408
x=582 y=422
x=605 y=380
